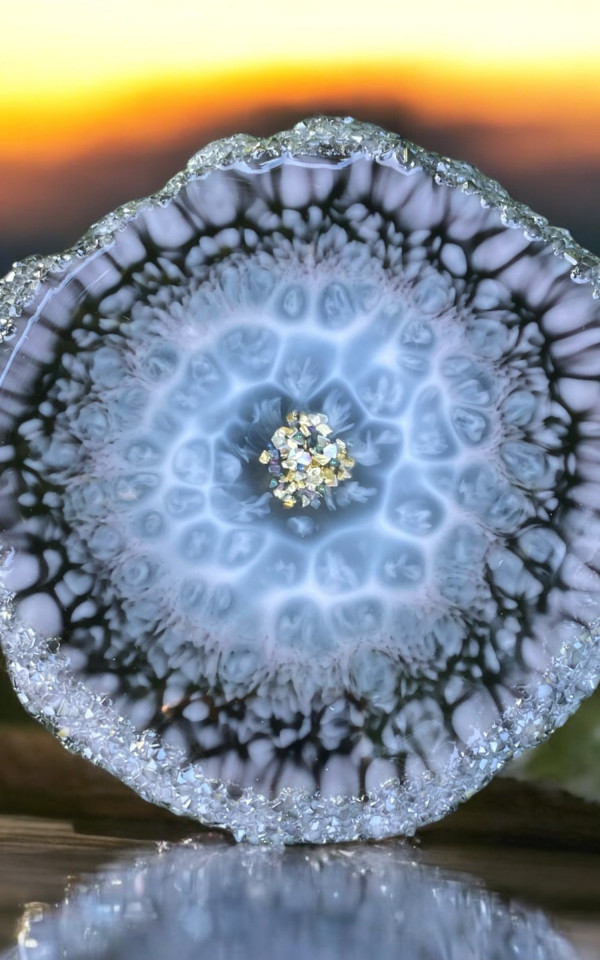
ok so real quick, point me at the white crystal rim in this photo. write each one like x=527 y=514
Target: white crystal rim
x=336 y=138
x=161 y=774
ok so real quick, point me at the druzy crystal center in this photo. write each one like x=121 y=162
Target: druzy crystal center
x=305 y=461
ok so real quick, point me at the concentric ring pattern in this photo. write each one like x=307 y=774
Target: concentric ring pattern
x=374 y=640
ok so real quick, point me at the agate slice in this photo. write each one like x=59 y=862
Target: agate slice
x=206 y=900
x=301 y=484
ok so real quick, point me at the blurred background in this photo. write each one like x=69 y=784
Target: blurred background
x=102 y=101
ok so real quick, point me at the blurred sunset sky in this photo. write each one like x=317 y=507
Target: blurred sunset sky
x=103 y=100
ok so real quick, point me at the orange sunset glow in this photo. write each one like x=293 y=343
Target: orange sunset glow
x=146 y=107
x=86 y=85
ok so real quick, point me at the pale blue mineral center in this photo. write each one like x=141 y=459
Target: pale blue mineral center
x=299 y=489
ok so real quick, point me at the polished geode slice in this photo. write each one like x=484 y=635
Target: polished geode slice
x=300 y=485
x=208 y=900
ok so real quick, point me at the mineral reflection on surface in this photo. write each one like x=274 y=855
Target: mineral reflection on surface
x=229 y=902
x=299 y=490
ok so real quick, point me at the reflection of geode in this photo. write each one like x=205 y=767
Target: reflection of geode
x=210 y=901
x=435 y=613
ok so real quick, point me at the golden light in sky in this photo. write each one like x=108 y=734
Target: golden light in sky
x=84 y=81
x=73 y=70
x=83 y=43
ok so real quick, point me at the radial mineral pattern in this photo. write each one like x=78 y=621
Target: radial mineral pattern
x=300 y=485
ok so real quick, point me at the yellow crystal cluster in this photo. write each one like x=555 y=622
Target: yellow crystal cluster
x=304 y=461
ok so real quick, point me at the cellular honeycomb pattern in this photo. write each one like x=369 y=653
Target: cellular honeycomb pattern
x=329 y=650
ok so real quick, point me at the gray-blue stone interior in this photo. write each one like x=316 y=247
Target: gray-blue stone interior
x=424 y=595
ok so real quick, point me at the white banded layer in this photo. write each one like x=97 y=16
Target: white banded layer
x=308 y=652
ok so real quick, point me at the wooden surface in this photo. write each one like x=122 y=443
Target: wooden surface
x=60 y=817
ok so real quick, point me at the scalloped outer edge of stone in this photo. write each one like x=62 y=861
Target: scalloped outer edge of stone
x=331 y=138
x=87 y=724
